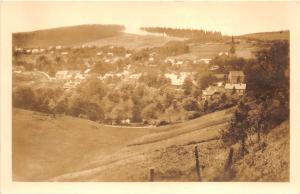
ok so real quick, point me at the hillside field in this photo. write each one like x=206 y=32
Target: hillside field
x=50 y=146
x=65 y=36
x=72 y=149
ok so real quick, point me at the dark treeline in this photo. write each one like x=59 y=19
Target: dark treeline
x=196 y=35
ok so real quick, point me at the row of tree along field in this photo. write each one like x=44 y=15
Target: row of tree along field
x=192 y=34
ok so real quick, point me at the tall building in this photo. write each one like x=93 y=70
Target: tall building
x=232 y=47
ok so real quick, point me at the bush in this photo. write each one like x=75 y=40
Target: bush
x=192 y=115
x=161 y=123
x=190 y=104
x=24 y=98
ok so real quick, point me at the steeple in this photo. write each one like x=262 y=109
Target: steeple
x=232 y=47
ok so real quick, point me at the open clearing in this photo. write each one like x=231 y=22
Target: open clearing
x=133 y=41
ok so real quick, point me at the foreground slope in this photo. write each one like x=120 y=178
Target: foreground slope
x=44 y=146
x=71 y=149
x=49 y=147
x=174 y=161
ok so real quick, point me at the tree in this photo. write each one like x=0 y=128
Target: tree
x=149 y=112
x=238 y=127
x=190 y=104
x=203 y=81
x=268 y=73
x=116 y=114
x=24 y=98
x=51 y=106
x=187 y=86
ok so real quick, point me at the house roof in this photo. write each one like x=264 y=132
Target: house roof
x=212 y=90
x=61 y=73
x=236 y=73
x=220 y=75
x=176 y=79
x=236 y=86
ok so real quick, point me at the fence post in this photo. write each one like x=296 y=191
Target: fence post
x=151 y=174
x=229 y=160
x=228 y=163
x=197 y=163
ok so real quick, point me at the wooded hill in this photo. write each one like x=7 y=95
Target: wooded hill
x=65 y=36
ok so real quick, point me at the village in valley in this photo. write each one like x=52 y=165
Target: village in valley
x=112 y=65
x=120 y=104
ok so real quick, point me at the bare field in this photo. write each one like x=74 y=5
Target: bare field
x=133 y=41
x=211 y=50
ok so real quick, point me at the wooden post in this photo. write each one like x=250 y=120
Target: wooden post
x=228 y=162
x=151 y=174
x=197 y=163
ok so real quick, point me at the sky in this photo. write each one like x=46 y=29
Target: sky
x=229 y=18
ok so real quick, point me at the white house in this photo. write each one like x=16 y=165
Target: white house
x=87 y=71
x=215 y=67
x=179 y=63
x=212 y=92
x=206 y=61
x=128 y=55
x=135 y=76
x=61 y=75
x=66 y=75
x=71 y=84
x=35 y=51
x=239 y=88
x=178 y=79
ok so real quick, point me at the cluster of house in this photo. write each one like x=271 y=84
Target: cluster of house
x=36 y=50
x=185 y=62
x=125 y=75
x=71 y=78
x=234 y=84
x=177 y=79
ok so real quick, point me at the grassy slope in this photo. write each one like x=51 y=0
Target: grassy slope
x=270 y=163
x=49 y=147
x=211 y=50
x=65 y=36
x=133 y=41
x=278 y=35
x=132 y=162
x=174 y=161
x=72 y=149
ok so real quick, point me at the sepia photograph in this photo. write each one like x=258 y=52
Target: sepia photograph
x=150 y=92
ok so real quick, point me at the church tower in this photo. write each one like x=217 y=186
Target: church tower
x=232 y=47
